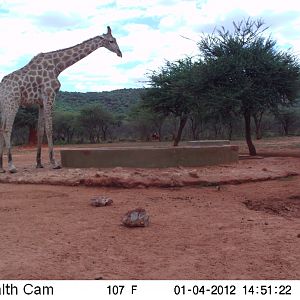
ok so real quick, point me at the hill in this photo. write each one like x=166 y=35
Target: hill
x=117 y=101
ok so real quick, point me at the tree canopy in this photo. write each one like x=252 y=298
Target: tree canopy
x=246 y=73
x=173 y=91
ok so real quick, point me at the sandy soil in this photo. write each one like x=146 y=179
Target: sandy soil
x=230 y=222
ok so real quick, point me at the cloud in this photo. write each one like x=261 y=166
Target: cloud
x=3 y=11
x=59 y=20
x=148 y=33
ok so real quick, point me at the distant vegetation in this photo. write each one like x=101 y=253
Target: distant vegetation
x=118 y=101
x=241 y=87
x=131 y=123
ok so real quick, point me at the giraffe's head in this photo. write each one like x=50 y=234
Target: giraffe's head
x=110 y=43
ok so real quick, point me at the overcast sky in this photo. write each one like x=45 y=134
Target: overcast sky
x=148 y=33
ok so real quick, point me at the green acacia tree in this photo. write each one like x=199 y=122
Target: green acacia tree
x=246 y=74
x=95 y=122
x=287 y=118
x=172 y=92
x=64 y=125
x=145 y=121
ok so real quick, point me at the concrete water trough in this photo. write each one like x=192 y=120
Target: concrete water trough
x=205 y=143
x=149 y=156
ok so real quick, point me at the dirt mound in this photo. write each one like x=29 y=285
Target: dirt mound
x=245 y=171
x=288 y=207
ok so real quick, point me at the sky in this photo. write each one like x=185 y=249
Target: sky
x=148 y=32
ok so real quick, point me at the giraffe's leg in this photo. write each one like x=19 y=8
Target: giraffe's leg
x=1 y=152
x=48 y=128
x=7 y=137
x=2 y=126
x=40 y=135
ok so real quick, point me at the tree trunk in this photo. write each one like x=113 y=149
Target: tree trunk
x=194 y=128
x=217 y=129
x=158 y=127
x=32 y=139
x=91 y=138
x=70 y=136
x=104 y=132
x=159 y=131
x=257 y=120
x=182 y=123
x=229 y=132
x=285 y=127
x=252 y=150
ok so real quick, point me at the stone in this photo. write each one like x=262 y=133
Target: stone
x=136 y=218
x=101 y=201
x=99 y=174
x=194 y=174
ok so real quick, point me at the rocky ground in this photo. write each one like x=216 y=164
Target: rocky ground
x=239 y=221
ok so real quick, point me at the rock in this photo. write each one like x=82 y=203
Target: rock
x=137 y=172
x=101 y=201
x=99 y=174
x=136 y=218
x=118 y=169
x=194 y=174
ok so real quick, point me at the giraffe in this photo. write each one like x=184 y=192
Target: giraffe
x=37 y=83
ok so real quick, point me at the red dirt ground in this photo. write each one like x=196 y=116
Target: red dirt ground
x=246 y=225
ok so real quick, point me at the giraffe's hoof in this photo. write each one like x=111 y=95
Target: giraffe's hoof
x=39 y=166
x=12 y=170
x=56 y=167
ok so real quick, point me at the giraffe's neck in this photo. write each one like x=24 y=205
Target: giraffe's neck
x=64 y=58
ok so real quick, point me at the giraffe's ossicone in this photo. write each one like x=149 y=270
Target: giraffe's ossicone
x=37 y=83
